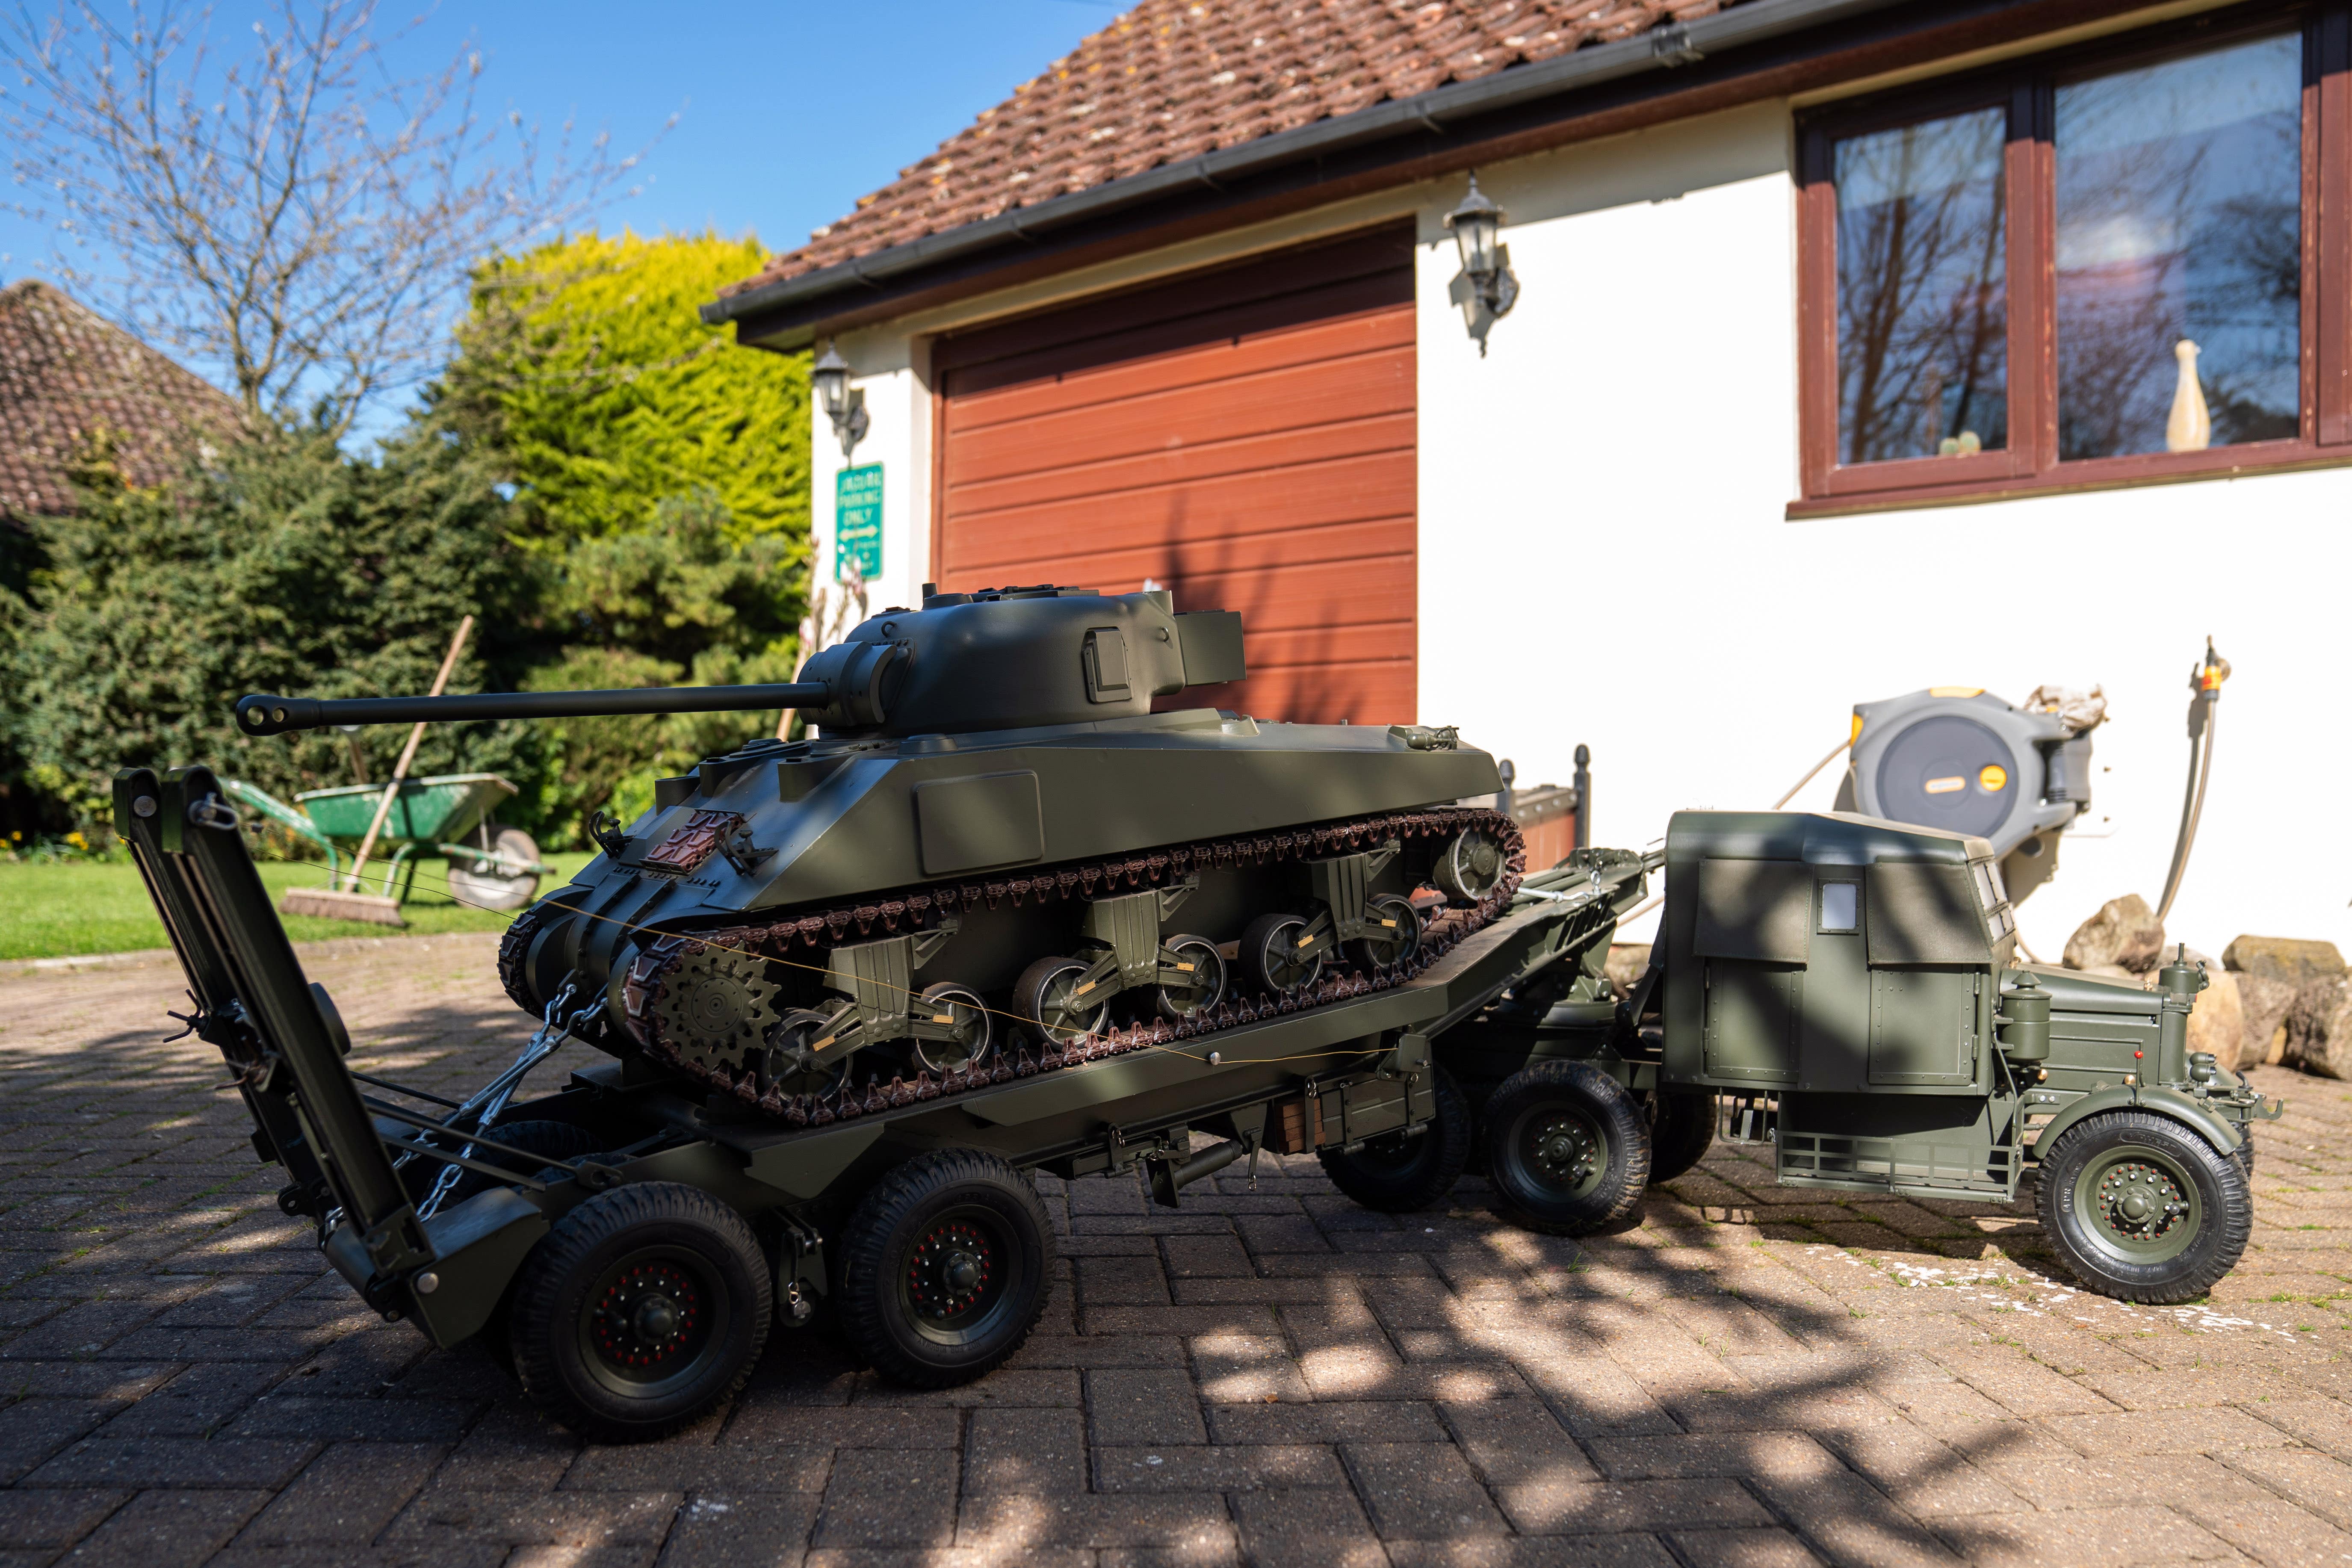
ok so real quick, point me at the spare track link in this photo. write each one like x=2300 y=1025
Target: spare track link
x=922 y=908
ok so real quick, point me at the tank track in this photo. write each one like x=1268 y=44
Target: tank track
x=922 y=908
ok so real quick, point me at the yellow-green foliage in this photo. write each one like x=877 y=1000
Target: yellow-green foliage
x=612 y=397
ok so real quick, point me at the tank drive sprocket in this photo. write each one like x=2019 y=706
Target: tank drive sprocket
x=699 y=1004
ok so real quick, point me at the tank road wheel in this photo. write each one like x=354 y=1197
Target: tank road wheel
x=1396 y=1175
x=1398 y=937
x=2142 y=1208
x=957 y=1008
x=944 y=1268
x=1045 y=998
x=789 y=1040
x=1203 y=989
x=1566 y=1148
x=1268 y=955
x=1469 y=866
x=1683 y=1132
x=641 y=1309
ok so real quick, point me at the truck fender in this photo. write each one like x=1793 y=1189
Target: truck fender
x=2215 y=1130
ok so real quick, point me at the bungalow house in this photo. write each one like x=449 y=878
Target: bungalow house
x=1833 y=348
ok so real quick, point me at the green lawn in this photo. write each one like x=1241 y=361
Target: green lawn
x=66 y=911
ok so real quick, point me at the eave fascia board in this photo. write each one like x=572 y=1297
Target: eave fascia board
x=1661 y=50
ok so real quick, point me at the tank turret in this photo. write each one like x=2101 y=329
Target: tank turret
x=991 y=858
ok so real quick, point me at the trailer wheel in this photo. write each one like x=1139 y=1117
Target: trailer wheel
x=2142 y=1208
x=944 y=1268
x=1566 y=1148
x=642 y=1308
x=1394 y=1173
x=1682 y=1134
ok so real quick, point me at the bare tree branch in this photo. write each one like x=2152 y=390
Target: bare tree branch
x=296 y=217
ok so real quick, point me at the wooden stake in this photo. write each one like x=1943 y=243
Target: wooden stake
x=407 y=755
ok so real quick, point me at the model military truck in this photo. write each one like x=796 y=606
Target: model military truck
x=1848 y=989
x=998 y=915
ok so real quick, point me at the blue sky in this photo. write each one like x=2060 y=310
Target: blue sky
x=788 y=113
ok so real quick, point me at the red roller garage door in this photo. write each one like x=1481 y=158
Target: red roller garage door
x=1244 y=437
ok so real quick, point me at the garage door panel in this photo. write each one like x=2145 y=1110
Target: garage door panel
x=1298 y=398
x=1386 y=331
x=1231 y=507
x=1190 y=464
x=1201 y=309
x=1245 y=439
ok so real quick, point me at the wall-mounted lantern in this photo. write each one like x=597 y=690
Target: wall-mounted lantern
x=842 y=403
x=1486 y=287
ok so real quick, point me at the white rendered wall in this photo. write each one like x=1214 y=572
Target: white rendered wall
x=898 y=437
x=1604 y=559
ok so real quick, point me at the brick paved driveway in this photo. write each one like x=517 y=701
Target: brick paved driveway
x=1270 y=1377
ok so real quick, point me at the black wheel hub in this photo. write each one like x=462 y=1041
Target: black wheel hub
x=1564 y=1152
x=952 y=1272
x=649 y=1319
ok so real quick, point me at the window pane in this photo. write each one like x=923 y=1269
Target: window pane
x=2180 y=253
x=1923 y=308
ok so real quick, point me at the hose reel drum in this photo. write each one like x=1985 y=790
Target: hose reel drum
x=1963 y=760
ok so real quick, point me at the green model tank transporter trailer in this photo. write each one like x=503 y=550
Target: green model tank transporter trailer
x=999 y=916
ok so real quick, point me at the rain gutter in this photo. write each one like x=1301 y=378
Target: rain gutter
x=1660 y=49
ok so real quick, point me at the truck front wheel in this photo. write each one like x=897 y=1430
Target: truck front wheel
x=2142 y=1208
x=1567 y=1150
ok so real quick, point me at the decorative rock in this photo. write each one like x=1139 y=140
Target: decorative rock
x=2125 y=933
x=2319 y=1029
x=2273 y=973
x=2291 y=959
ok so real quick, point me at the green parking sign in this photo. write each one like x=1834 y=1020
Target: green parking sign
x=857 y=522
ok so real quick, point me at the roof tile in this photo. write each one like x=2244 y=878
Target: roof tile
x=65 y=372
x=1172 y=79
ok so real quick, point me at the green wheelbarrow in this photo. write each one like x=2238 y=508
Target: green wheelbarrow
x=491 y=867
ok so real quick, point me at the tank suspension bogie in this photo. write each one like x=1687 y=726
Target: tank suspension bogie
x=841 y=982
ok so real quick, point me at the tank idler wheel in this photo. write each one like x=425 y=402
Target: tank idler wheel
x=2142 y=1208
x=1045 y=998
x=644 y=1307
x=959 y=1011
x=1566 y=1148
x=944 y=1268
x=1469 y=866
x=1395 y=1174
x=1397 y=938
x=1277 y=955
x=1192 y=977
x=1681 y=1133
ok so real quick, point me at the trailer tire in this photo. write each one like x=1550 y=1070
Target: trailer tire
x=944 y=1268
x=644 y=1307
x=1395 y=1174
x=1683 y=1132
x=2142 y=1208
x=1567 y=1150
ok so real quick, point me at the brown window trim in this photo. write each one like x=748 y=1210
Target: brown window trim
x=2030 y=465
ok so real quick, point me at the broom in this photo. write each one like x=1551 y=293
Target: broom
x=347 y=902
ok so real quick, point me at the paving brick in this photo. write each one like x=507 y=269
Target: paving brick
x=141 y=1462
x=1038 y=1451
x=346 y=1496
x=1854 y=1522
x=1143 y=1406
x=168 y=1529
x=31 y=1430
x=31 y=1520
x=804 y=1427
x=447 y=1513
x=889 y=1499
x=1368 y=1421
x=1569 y=1506
x=1204 y=1256
x=1311 y=1528
x=2091 y=1537
x=696 y=1468
x=740 y=1530
x=1632 y=1550
x=1121 y=1281
x=1190 y=1522
x=1511 y=1440
x=1419 y=1491
x=2163 y=1432
x=1749 y=1548
x=1189 y=1468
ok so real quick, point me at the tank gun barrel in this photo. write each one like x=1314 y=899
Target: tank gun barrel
x=263 y=714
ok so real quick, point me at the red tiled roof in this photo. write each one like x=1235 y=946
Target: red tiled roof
x=64 y=374
x=1173 y=79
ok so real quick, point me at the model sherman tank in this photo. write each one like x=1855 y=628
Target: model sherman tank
x=992 y=857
